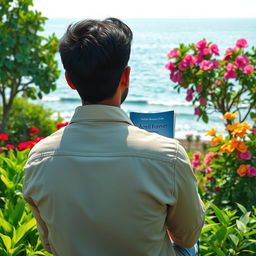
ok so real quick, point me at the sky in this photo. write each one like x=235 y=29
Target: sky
x=147 y=8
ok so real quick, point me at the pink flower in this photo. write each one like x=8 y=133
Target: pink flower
x=197 y=111
x=206 y=51
x=251 y=171
x=215 y=63
x=208 y=170
x=206 y=65
x=201 y=45
x=253 y=130
x=231 y=71
x=170 y=66
x=231 y=67
x=199 y=88
x=230 y=50
x=189 y=97
x=173 y=53
x=10 y=146
x=202 y=101
x=218 y=82
x=227 y=57
x=195 y=162
x=248 y=69
x=229 y=75
x=241 y=61
x=209 y=178
x=187 y=61
x=241 y=43
x=198 y=59
x=215 y=49
x=3 y=136
x=197 y=155
x=189 y=91
x=207 y=159
x=216 y=189
x=198 y=168
x=244 y=156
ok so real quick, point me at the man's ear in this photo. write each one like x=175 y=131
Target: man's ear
x=69 y=81
x=125 y=78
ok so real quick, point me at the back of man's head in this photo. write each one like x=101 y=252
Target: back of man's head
x=94 y=54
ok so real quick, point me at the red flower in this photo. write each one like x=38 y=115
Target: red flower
x=10 y=146
x=1 y=150
x=24 y=145
x=60 y=125
x=34 y=129
x=3 y=136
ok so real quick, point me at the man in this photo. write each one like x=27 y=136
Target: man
x=101 y=186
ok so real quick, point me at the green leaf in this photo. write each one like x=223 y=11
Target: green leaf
x=209 y=227
x=245 y=218
x=234 y=239
x=24 y=229
x=221 y=234
x=221 y=215
x=241 y=226
x=5 y=225
x=17 y=212
x=6 y=241
x=242 y=208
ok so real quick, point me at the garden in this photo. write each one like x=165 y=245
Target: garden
x=225 y=166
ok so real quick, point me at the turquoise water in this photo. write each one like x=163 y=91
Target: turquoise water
x=150 y=87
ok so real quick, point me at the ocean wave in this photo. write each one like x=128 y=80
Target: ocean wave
x=128 y=101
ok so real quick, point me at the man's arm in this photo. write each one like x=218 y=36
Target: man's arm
x=41 y=226
x=186 y=218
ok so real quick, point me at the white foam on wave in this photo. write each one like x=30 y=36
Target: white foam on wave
x=169 y=103
x=48 y=98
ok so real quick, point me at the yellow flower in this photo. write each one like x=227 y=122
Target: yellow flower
x=212 y=132
x=216 y=140
x=230 y=146
x=230 y=127
x=242 y=170
x=230 y=116
x=241 y=146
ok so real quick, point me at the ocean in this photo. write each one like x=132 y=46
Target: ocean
x=150 y=87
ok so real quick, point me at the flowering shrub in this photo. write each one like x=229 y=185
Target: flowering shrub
x=214 y=83
x=227 y=173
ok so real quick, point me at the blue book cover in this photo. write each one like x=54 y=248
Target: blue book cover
x=162 y=123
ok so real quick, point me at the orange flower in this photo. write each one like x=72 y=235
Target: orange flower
x=242 y=170
x=230 y=116
x=230 y=146
x=216 y=140
x=239 y=129
x=212 y=132
x=241 y=146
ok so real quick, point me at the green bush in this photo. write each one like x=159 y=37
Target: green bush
x=229 y=232
x=25 y=115
x=18 y=233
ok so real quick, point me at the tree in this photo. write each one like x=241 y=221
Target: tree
x=27 y=60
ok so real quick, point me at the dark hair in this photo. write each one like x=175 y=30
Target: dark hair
x=94 y=54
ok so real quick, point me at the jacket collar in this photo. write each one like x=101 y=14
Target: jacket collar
x=100 y=113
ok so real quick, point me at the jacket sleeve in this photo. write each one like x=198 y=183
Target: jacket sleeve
x=28 y=190
x=185 y=218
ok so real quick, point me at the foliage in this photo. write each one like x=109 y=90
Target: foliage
x=223 y=85
x=229 y=232
x=27 y=60
x=227 y=174
x=18 y=233
x=24 y=116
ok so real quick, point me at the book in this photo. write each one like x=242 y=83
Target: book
x=162 y=123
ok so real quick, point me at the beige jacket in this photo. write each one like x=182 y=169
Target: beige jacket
x=103 y=187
